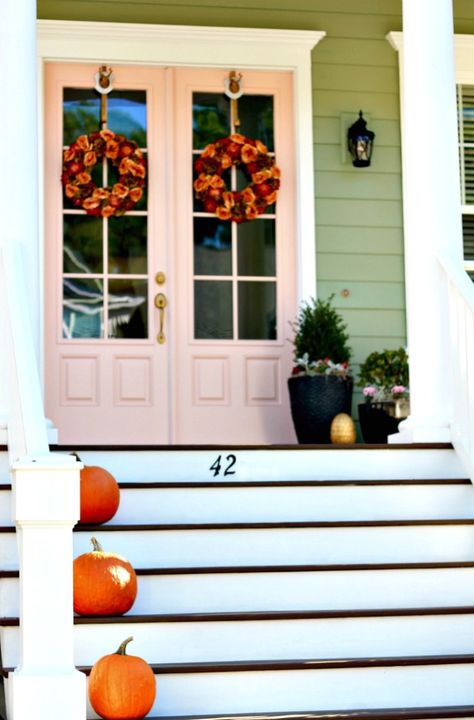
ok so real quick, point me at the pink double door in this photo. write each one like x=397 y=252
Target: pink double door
x=167 y=325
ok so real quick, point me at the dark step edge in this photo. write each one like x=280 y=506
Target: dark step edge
x=162 y=485
x=287 y=483
x=245 y=616
x=250 y=569
x=296 y=525
x=292 y=525
x=270 y=448
x=417 y=713
x=259 y=616
x=300 y=664
x=304 y=664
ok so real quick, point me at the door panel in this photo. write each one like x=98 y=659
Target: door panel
x=229 y=290
x=106 y=375
x=236 y=282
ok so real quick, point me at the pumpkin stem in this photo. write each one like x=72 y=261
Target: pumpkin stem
x=97 y=547
x=121 y=650
x=74 y=454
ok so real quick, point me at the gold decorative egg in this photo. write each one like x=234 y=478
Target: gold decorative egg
x=343 y=429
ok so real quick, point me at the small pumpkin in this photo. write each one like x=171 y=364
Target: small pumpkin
x=104 y=583
x=100 y=495
x=121 y=686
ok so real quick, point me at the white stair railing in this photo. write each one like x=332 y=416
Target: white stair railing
x=461 y=360
x=45 y=508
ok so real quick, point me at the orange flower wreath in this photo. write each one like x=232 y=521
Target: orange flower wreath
x=78 y=161
x=258 y=165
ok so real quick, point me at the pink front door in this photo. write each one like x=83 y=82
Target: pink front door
x=168 y=325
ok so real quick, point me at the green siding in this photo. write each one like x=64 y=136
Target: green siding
x=359 y=227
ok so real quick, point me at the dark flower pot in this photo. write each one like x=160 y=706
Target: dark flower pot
x=377 y=421
x=315 y=401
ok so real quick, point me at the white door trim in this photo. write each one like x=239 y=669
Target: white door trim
x=60 y=40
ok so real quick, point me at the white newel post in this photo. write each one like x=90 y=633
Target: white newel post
x=432 y=207
x=46 y=685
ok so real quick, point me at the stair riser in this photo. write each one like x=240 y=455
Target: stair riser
x=323 y=689
x=288 y=591
x=278 y=504
x=269 y=639
x=299 y=463
x=272 y=547
x=273 y=504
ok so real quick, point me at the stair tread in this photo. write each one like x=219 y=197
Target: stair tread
x=304 y=664
x=260 y=615
x=250 y=569
x=433 y=712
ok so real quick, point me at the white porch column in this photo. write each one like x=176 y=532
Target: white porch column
x=46 y=685
x=432 y=207
x=18 y=130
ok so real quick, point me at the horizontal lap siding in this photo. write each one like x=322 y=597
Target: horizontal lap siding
x=359 y=225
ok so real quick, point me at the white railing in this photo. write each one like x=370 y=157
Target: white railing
x=461 y=360
x=26 y=424
x=45 y=508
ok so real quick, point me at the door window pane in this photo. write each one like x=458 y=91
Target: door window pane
x=128 y=309
x=127 y=114
x=212 y=247
x=82 y=249
x=256 y=118
x=83 y=308
x=256 y=248
x=128 y=245
x=257 y=310
x=81 y=113
x=213 y=310
x=211 y=118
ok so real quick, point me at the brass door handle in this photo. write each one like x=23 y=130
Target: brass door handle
x=160 y=303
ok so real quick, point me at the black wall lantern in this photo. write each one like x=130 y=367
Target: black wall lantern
x=360 y=142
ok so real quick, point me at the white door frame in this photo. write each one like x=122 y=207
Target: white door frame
x=182 y=45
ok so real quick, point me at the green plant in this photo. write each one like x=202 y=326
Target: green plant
x=384 y=375
x=321 y=340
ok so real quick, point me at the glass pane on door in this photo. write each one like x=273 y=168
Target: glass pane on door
x=105 y=257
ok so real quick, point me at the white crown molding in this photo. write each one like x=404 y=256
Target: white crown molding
x=177 y=44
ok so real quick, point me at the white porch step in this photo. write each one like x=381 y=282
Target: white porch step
x=314 y=588
x=299 y=685
x=230 y=638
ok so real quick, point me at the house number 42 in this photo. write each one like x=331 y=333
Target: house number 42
x=224 y=467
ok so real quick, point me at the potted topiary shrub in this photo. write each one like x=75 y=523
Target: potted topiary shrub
x=320 y=386
x=383 y=377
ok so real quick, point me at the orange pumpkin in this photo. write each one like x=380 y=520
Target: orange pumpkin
x=121 y=686
x=104 y=583
x=100 y=495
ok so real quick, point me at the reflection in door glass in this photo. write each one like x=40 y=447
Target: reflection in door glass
x=128 y=245
x=213 y=310
x=82 y=249
x=127 y=114
x=81 y=113
x=257 y=311
x=212 y=247
x=256 y=117
x=256 y=248
x=83 y=308
x=127 y=309
x=211 y=118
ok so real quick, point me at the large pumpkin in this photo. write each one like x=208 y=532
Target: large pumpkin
x=122 y=687
x=100 y=495
x=104 y=583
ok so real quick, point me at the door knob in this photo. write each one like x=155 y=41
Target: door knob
x=160 y=303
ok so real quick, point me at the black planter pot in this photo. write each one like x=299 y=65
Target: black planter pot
x=377 y=422
x=315 y=401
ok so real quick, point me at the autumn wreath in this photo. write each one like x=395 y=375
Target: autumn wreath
x=79 y=160
x=258 y=165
